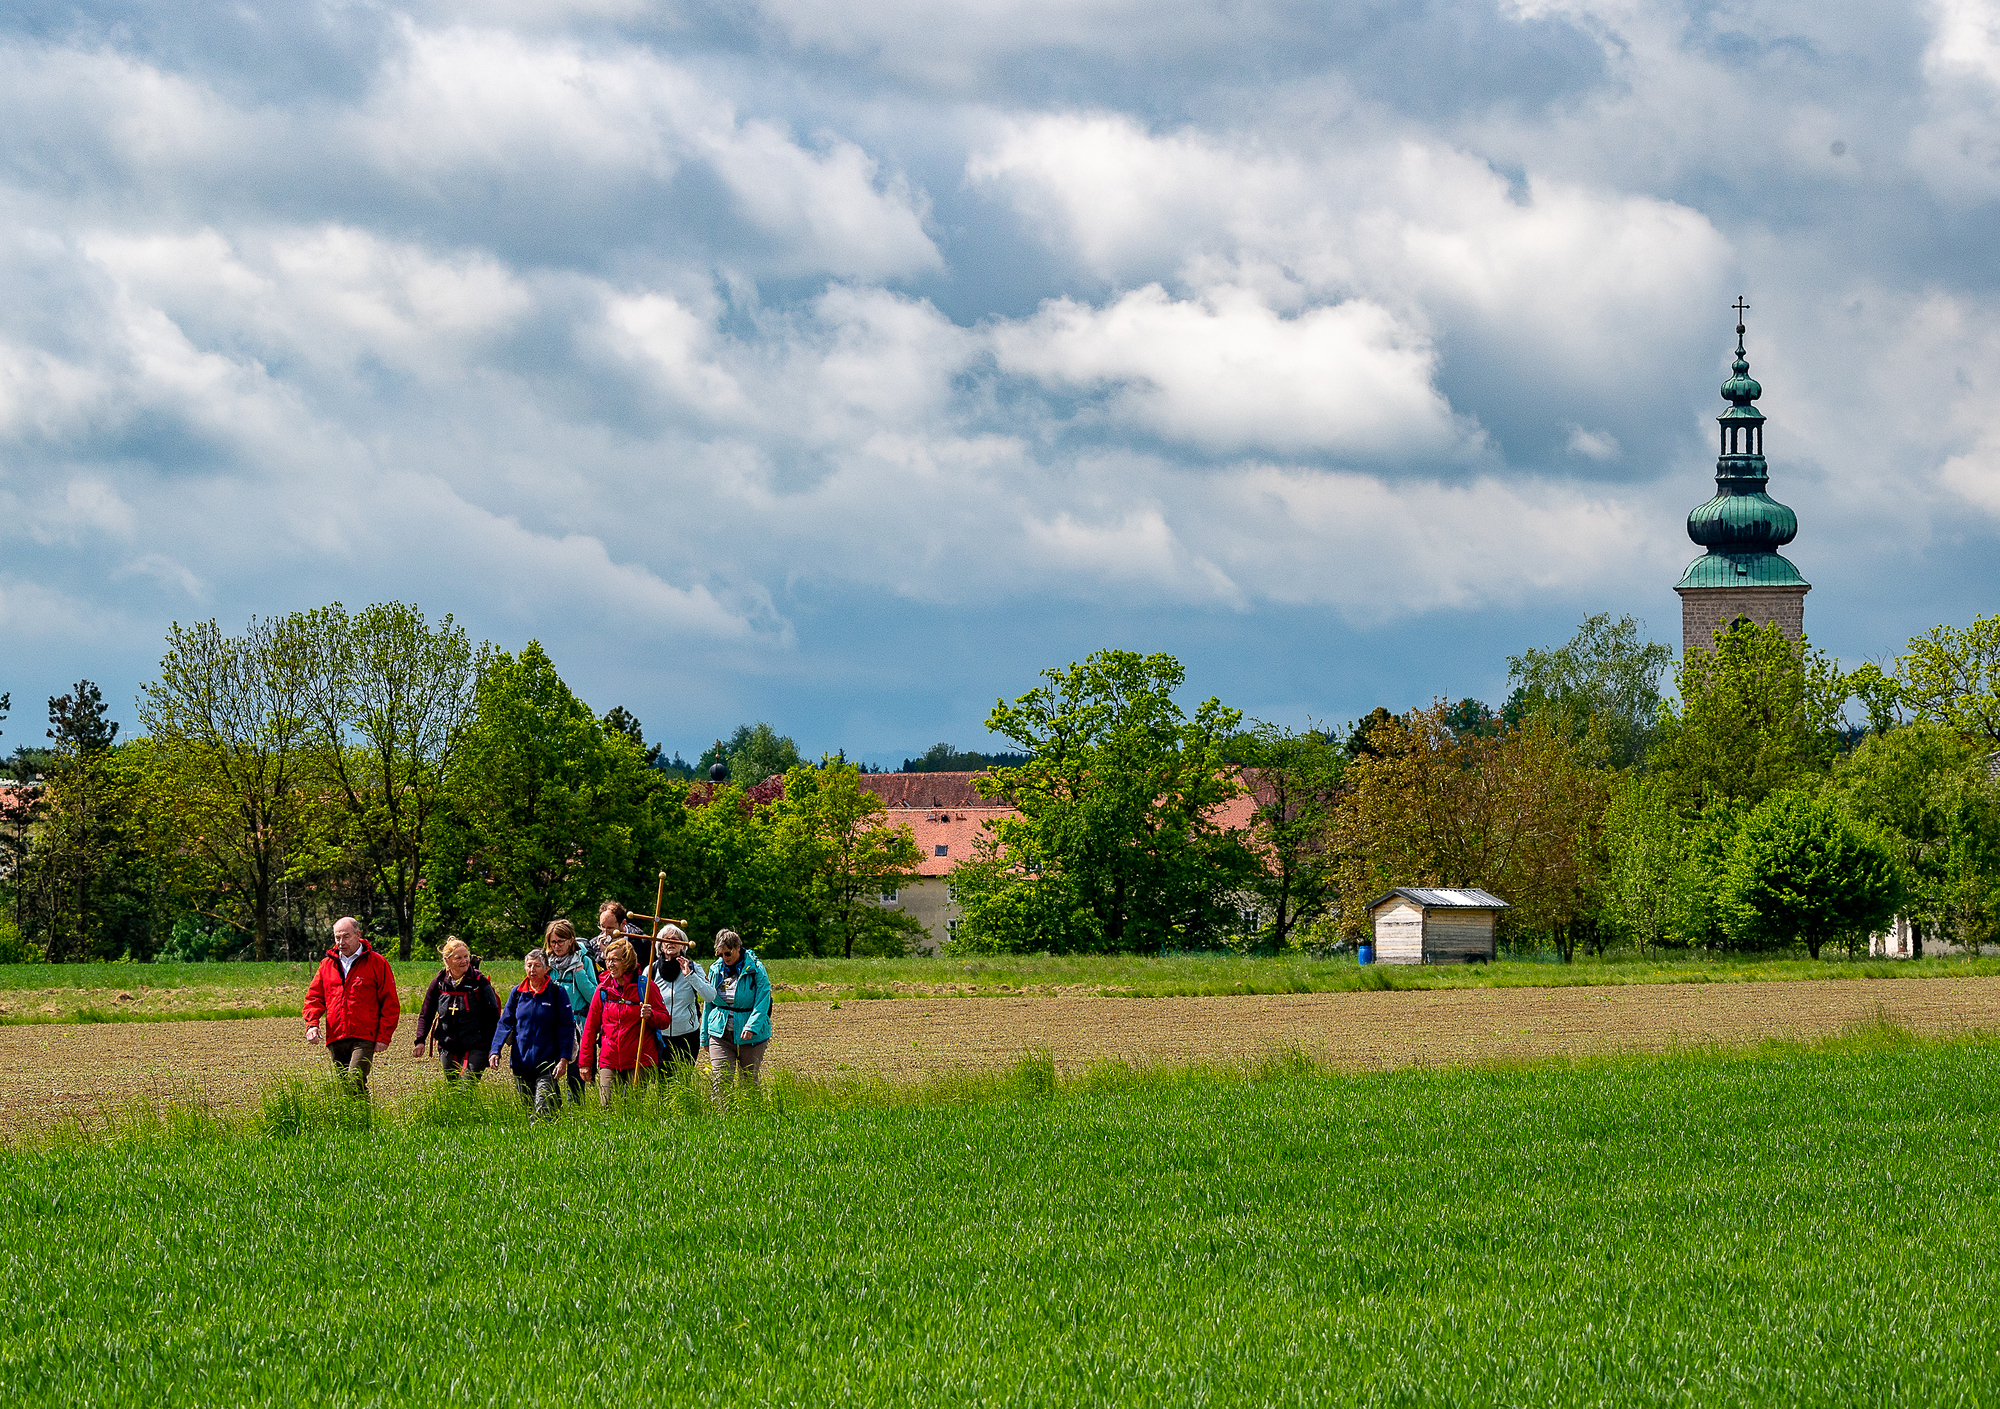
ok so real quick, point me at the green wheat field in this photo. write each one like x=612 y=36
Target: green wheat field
x=1789 y=1225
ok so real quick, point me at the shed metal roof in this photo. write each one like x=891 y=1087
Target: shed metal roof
x=1464 y=898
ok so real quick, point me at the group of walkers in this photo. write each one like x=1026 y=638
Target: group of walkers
x=588 y=1011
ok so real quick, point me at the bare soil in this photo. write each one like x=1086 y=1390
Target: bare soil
x=142 y=1001
x=56 y=1072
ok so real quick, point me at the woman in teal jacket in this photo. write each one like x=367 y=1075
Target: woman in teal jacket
x=738 y=1026
x=570 y=967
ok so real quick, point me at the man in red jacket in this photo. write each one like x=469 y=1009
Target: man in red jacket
x=355 y=991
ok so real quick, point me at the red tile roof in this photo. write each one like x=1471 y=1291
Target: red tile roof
x=16 y=798
x=926 y=790
x=957 y=829
x=768 y=791
x=945 y=810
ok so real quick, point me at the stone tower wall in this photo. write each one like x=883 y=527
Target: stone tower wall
x=1704 y=610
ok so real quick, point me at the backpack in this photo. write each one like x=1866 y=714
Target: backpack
x=456 y=1026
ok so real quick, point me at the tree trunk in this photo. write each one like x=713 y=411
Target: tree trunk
x=260 y=916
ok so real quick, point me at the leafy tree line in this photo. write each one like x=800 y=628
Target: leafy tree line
x=375 y=763
x=1744 y=811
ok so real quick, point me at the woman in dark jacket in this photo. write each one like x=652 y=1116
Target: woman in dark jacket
x=540 y=1024
x=459 y=1011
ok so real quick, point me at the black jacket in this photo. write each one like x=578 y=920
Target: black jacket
x=463 y=1013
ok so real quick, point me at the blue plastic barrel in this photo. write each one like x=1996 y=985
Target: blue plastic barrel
x=1365 y=952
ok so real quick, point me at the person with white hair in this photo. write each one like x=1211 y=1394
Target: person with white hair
x=686 y=988
x=351 y=1004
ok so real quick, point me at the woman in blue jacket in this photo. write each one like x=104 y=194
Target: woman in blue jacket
x=738 y=1025
x=538 y=1021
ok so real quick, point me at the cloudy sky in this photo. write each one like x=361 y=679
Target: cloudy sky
x=843 y=366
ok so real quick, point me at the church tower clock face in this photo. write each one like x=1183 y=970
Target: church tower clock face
x=1741 y=577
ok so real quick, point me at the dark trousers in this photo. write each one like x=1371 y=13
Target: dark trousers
x=679 y=1050
x=467 y=1064
x=352 y=1061
x=539 y=1090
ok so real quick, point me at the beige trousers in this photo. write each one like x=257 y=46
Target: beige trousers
x=725 y=1057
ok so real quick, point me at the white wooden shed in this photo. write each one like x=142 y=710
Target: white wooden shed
x=1419 y=926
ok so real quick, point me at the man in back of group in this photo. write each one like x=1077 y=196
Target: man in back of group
x=354 y=992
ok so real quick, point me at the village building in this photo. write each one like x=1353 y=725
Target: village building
x=1423 y=925
x=947 y=816
x=1741 y=576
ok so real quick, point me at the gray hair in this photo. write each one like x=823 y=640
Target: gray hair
x=728 y=939
x=541 y=954
x=673 y=934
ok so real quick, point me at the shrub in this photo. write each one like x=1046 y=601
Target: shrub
x=1802 y=869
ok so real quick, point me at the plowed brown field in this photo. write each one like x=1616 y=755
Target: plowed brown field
x=52 y=1072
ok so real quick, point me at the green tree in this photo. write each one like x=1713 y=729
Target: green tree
x=548 y=812
x=1554 y=871
x=88 y=888
x=723 y=871
x=1927 y=787
x=20 y=810
x=1420 y=808
x=1361 y=734
x=947 y=758
x=388 y=696
x=1604 y=683
x=838 y=848
x=1115 y=846
x=627 y=723
x=753 y=753
x=230 y=741
x=1757 y=714
x=1803 y=870
x=1295 y=779
x=1644 y=835
x=1664 y=866
x=1951 y=675
x=1518 y=813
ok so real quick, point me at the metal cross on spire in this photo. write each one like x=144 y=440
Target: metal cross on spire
x=1741 y=308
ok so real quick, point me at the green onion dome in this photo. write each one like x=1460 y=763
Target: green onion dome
x=1742 y=389
x=1742 y=526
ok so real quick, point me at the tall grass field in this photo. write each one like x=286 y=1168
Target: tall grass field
x=1790 y=1226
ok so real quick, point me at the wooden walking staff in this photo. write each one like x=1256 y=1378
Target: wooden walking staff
x=654 y=921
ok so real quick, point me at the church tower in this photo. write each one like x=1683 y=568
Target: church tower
x=1741 y=574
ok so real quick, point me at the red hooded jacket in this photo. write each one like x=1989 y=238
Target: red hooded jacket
x=363 y=1006
x=611 y=1031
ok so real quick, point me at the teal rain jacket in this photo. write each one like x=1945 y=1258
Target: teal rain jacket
x=744 y=1014
x=580 y=985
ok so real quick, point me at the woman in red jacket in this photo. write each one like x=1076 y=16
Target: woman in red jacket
x=616 y=1045
x=355 y=993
